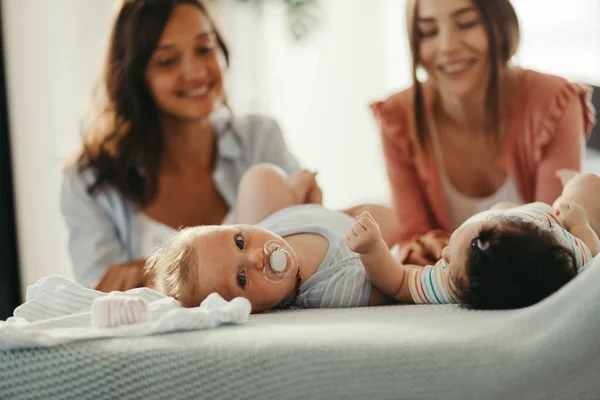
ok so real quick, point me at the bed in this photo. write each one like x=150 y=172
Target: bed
x=550 y=350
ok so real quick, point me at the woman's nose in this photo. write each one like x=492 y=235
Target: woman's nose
x=193 y=68
x=448 y=40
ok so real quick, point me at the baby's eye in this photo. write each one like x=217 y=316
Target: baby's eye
x=241 y=280
x=239 y=241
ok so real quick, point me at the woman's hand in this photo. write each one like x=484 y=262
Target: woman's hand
x=122 y=277
x=425 y=249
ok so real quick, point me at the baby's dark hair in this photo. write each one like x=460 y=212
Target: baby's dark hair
x=514 y=263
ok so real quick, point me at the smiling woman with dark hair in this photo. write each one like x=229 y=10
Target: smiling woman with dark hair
x=162 y=149
x=477 y=130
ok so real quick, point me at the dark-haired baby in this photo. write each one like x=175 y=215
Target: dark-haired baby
x=504 y=258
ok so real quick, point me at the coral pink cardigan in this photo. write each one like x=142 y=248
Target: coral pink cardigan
x=549 y=123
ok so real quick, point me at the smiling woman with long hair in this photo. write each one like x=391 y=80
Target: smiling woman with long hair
x=477 y=130
x=161 y=149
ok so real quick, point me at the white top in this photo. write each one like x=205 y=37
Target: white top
x=460 y=206
x=149 y=233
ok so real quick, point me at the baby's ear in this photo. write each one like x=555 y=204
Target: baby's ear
x=565 y=175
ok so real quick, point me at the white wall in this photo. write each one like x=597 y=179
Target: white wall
x=561 y=37
x=52 y=52
x=318 y=90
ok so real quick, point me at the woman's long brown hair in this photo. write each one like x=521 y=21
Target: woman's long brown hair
x=502 y=29
x=122 y=144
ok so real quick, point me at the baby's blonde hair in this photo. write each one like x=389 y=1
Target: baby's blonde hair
x=174 y=266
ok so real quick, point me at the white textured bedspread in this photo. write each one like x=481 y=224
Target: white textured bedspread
x=548 y=351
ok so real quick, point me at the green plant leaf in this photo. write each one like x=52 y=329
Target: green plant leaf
x=302 y=15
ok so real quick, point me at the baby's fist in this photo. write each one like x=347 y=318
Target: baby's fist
x=365 y=235
x=571 y=214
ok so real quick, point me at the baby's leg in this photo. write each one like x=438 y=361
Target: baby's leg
x=385 y=218
x=584 y=189
x=263 y=190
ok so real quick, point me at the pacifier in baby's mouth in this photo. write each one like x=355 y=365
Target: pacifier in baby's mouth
x=280 y=262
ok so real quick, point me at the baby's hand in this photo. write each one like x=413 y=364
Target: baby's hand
x=365 y=235
x=571 y=214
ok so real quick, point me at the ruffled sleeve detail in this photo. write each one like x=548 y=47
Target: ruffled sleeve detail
x=567 y=94
x=392 y=116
